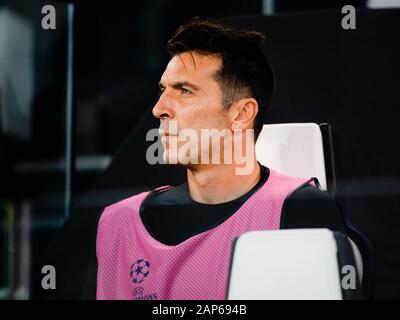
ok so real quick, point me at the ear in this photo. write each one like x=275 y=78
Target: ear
x=243 y=113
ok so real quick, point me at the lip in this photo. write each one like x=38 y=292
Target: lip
x=167 y=137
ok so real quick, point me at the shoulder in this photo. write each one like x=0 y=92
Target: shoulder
x=310 y=207
x=279 y=186
x=115 y=221
x=308 y=191
x=120 y=212
x=169 y=195
x=285 y=182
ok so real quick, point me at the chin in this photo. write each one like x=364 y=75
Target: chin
x=169 y=157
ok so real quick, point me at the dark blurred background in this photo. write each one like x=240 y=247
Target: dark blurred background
x=348 y=78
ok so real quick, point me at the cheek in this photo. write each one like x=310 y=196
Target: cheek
x=202 y=113
x=208 y=116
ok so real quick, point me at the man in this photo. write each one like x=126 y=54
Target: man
x=175 y=242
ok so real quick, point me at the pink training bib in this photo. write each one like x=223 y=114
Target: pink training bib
x=134 y=265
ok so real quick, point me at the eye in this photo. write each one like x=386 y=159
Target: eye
x=185 y=91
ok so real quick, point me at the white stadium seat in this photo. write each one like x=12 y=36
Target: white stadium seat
x=295 y=149
x=301 y=264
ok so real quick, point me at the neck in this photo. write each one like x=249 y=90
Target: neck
x=213 y=184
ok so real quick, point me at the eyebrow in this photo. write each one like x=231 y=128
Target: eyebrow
x=180 y=84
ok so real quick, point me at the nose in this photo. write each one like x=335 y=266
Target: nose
x=161 y=109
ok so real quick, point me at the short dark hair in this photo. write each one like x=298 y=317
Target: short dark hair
x=245 y=70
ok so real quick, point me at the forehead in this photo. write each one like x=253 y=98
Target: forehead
x=191 y=65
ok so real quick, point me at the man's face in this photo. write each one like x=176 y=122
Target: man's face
x=191 y=98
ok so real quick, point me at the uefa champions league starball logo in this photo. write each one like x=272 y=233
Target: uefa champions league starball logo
x=139 y=270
